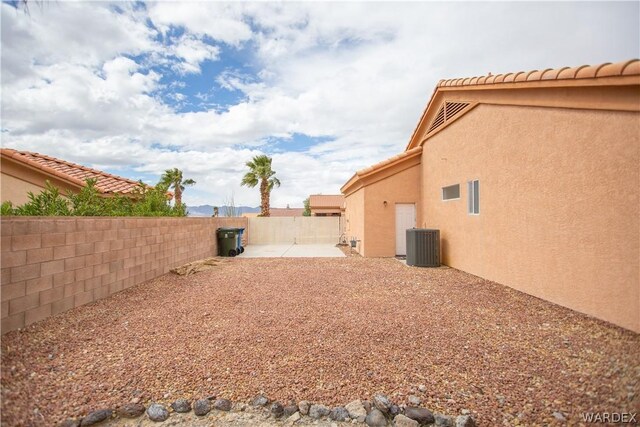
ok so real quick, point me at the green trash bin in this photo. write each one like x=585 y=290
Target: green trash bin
x=227 y=241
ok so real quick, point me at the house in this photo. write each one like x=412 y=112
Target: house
x=532 y=178
x=326 y=204
x=25 y=171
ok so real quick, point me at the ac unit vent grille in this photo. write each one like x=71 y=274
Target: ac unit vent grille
x=447 y=111
x=423 y=247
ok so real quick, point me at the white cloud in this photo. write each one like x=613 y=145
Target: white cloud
x=360 y=73
x=220 y=21
x=192 y=51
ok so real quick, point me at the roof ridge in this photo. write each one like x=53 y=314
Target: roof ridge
x=79 y=166
x=630 y=67
x=73 y=172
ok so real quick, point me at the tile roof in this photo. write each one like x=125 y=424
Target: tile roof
x=71 y=172
x=398 y=159
x=326 y=200
x=604 y=74
x=624 y=68
x=388 y=161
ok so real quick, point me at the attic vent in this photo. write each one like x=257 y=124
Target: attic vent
x=446 y=113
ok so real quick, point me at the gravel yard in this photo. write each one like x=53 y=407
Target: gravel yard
x=328 y=330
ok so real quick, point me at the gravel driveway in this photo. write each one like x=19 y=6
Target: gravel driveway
x=328 y=330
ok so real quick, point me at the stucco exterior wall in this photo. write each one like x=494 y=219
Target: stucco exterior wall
x=559 y=204
x=15 y=190
x=355 y=218
x=380 y=221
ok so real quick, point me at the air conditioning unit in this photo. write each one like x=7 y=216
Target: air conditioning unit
x=423 y=247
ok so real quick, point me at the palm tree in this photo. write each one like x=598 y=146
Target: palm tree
x=172 y=178
x=260 y=170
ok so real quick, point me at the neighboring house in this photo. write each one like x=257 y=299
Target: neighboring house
x=533 y=180
x=326 y=204
x=24 y=171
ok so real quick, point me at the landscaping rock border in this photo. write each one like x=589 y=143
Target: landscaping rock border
x=383 y=412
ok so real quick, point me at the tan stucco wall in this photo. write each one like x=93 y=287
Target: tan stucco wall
x=380 y=225
x=376 y=229
x=559 y=204
x=15 y=190
x=354 y=218
x=326 y=211
x=18 y=179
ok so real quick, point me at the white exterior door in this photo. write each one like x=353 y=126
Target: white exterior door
x=405 y=218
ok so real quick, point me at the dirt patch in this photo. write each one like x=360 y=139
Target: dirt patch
x=198 y=266
x=327 y=330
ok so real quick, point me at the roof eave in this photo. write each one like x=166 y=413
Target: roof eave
x=357 y=181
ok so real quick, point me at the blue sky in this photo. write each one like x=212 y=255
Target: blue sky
x=324 y=88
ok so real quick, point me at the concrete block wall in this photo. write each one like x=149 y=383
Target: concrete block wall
x=53 y=264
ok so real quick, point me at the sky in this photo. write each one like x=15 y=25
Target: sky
x=324 y=88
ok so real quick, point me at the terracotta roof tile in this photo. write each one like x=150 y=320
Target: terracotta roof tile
x=76 y=174
x=632 y=68
x=607 y=69
x=389 y=160
x=508 y=78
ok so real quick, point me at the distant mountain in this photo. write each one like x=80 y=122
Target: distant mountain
x=207 y=210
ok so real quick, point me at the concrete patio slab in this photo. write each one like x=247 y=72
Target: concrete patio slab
x=292 y=251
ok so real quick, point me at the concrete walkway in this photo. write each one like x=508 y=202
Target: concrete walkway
x=291 y=251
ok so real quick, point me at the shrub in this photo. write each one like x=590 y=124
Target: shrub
x=145 y=201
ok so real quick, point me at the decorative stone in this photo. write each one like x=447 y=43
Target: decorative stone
x=96 y=416
x=222 y=404
x=318 y=411
x=414 y=400
x=304 y=406
x=421 y=415
x=375 y=418
x=443 y=420
x=367 y=405
x=157 y=412
x=290 y=410
x=559 y=416
x=277 y=409
x=402 y=421
x=70 y=422
x=465 y=421
x=382 y=402
x=201 y=407
x=259 y=400
x=130 y=410
x=293 y=419
x=181 y=405
x=356 y=410
x=339 y=413
x=394 y=410
x=422 y=388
